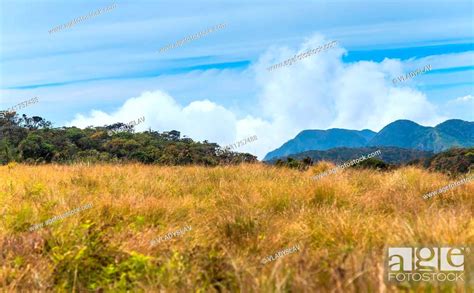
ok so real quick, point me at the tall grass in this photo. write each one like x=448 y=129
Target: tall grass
x=241 y=214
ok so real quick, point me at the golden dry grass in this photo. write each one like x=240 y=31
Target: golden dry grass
x=239 y=215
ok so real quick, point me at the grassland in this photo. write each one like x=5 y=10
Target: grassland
x=239 y=215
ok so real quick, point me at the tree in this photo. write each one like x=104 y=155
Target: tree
x=34 y=122
x=36 y=148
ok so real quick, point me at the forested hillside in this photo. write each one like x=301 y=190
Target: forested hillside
x=33 y=140
x=452 y=162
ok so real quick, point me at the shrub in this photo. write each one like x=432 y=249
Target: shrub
x=373 y=163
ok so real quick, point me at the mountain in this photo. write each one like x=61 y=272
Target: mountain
x=459 y=129
x=308 y=140
x=408 y=134
x=392 y=155
x=401 y=133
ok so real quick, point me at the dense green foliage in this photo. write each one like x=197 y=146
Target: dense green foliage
x=373 y=163
x=302 y=165
x=32 y=140
x=295 y=164
x=391 y=155
x=452 y=162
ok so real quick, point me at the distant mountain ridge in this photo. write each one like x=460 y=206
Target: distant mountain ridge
x=309 y=140
x=401 y=133
x=392 y=155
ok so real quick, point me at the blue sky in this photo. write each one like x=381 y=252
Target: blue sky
x=108 y=68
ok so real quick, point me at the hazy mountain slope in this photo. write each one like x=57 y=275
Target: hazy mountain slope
x=462 y=131
x=405 y=134
x=322 y=140
x=408 y=134
x=401 y=133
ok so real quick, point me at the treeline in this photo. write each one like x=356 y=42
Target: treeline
x=304 y=164
x=391 y=155
x=452 y=162
x=33 y=140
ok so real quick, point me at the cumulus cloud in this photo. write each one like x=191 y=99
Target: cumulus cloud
x=461 y=107
x=317 y=92
x=201 y=120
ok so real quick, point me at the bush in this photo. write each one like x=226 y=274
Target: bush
x=295 y=164
x=373 y=163
x=453 y=162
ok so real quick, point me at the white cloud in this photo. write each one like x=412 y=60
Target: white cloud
x=317 y=92
x=199 y=120
x=461 y=107
x=465 y=99
x=322 y=92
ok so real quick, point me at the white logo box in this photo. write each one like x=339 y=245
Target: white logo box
x=425 y=259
